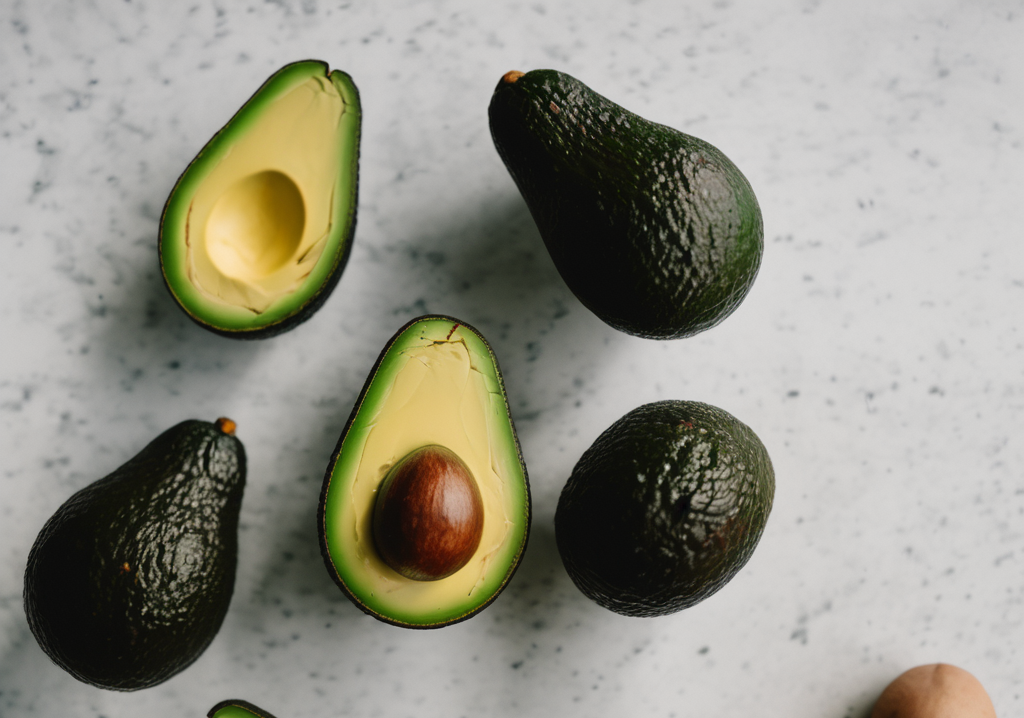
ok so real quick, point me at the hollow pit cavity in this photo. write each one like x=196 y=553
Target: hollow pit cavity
x=256 y=226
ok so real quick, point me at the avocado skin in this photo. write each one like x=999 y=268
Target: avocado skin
x=664 y=508
x=171 y=515
x=339 y=262
x=292 y=320
x=656 y=232
x=246 y=706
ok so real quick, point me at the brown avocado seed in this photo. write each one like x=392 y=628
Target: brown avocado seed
x=428 y=517
x=938 y=690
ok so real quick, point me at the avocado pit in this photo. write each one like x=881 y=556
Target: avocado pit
x=428 y=517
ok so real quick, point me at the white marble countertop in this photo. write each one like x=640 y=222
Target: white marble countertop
x=879 y=356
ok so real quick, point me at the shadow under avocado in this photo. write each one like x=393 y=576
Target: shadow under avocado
x=502 y=281
x=292 y=580
x=493 y=271
x=541 y=591
x=23 y=663
x=148 y=343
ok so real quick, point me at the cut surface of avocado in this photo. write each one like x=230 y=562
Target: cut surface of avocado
x=258 y=228
x=436 y=383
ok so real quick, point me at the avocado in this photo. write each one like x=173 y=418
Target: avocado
x=128 y=582
x=664 y=508
x=257 y=230
x=425 y=509
x=656 y=232
x=236 y=708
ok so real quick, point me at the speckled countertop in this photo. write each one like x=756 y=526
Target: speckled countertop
x=879 y=356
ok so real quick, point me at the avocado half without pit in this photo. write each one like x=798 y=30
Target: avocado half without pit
x=258 y=229
x=425 y=508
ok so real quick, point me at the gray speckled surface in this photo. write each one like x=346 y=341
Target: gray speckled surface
x=880 y=354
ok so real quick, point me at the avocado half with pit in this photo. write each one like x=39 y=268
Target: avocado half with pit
x=258 y=229
x=425 y=509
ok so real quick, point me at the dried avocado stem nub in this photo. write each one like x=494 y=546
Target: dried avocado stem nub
x=226 y=425
x=511 y=76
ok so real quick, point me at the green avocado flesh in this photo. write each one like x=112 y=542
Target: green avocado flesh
x=657 y=232
x=436 y=384
x=129 y=581
x=258 y=229
x=664 y=508
x=237 y=709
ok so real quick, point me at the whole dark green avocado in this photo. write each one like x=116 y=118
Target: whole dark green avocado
x=657 y=232
x=128 y=582
x=664 y=508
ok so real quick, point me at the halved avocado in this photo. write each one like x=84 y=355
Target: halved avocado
x=258 y=229
x=236 y=708
x=435 y=393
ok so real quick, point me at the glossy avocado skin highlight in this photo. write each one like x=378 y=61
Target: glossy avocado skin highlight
x=664 y=508
x=436 y=383
x=258 y=229
x=129 y=581
x=657 y=232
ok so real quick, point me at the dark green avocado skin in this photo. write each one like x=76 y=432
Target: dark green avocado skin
x=664 y=508
x=129 y=581
x=657 y=232
x=311 y=307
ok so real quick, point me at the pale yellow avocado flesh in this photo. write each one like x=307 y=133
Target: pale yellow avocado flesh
x=435 y=395
x=259 y=221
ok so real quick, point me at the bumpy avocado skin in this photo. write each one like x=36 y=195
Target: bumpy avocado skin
x=237 y=708
x=664 y=508
x=327 y=537
x=338 y=261
x=129 y=581
x=657 y=232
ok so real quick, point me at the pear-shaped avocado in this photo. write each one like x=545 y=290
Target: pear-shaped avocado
x=664 y=508
x=128 y=582
x=237 y=708
x=655 y=231
x=258 y=229
x=425 y=508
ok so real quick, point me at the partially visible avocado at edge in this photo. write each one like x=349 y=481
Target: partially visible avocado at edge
x=237 y=708
x=664 y=508
x=130 y=579
x=258 y=229
x=425 y=509
x=655 y=231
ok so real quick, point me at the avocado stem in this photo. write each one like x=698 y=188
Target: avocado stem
x=511 y=76
x=226 y=425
